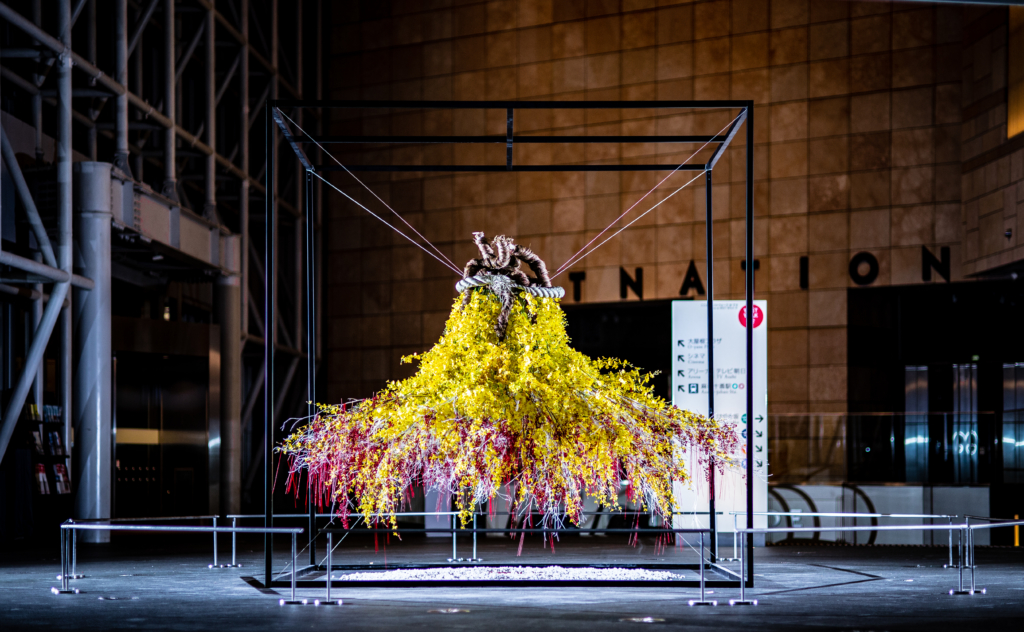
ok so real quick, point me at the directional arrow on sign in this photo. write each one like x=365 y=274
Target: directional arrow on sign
x=758 y=448
x=680 y=358
x=680 y=343
x=759 y=464
x=759 y=433
x=759 y=418
x=681 y=373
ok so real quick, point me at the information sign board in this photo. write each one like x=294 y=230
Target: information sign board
x=690 y=366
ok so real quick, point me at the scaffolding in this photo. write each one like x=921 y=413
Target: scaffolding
x=168 y=92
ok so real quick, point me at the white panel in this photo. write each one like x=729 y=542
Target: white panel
x=690 y=392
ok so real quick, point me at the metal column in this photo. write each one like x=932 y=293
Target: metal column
x=121 y=75
x=92 y=379
x=243 y=145
x=710 y=255
x=268 y=350
x=210 y=205
x=229 y=316
x=64 y=218
x=170 y=188
x=749 y=254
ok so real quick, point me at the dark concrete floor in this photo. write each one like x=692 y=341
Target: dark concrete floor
x=799 y=587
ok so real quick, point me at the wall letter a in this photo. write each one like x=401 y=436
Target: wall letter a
x=691 y=281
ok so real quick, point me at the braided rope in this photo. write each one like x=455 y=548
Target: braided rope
x=485 y=279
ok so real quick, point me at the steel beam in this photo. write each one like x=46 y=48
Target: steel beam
x=26 y=199
x=140 y=26
x=32 y=361
x=56 y=275
x=186 y=57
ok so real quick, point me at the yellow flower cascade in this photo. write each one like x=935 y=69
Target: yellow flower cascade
x=528 y=412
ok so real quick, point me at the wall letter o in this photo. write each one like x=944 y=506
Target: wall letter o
x=872 y=274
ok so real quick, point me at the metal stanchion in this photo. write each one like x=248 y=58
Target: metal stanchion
x=961 y=561
x=214 y=565
x=292 y=601
x=734 y=527
x=330 y=563
x=742 y=601
x=74 y=556
x=454 y=557
x=234 y=544
x=970 y=540
x=702 y=601
x=950 y=565
x=65 y=566
x=474 y=558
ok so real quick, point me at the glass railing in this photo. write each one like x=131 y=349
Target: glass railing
x=957 y=448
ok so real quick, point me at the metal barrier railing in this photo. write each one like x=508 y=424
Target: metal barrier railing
x=645 y=530
x=965 y=544
x=993 y=523
x=821 y=514
x=454 y=558
x=896 y=527
x=73 y=527
x=74 y=535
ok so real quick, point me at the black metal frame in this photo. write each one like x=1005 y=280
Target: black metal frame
x=274 y=121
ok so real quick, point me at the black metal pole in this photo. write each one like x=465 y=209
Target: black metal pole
x=268 y=354
x=750 y=340
x=709 y=236
x=307 y=198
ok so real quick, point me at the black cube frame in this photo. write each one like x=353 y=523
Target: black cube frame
x=275 y=122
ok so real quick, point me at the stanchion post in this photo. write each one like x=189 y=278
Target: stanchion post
x=330 y=551
x=950 y=519
x=960 y=559
x=702 y=566
x=703 y=601
x=63 y=559
x=295 y=557
x=234 y=542
x=214 y=565
x=970 y=544
x=474 y=536
x=743 y=601
x=65 y=562
x=74 y=553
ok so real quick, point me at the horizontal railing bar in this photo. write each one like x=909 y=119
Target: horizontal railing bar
x=504 y=168
x=114 y=520
x=839 y=515
x=989 y=518
x=996 y=525
x=890 y=527
x=639 y=530
x=526 y=140
x=455 y=513
x=147 y=527
x=514 y=105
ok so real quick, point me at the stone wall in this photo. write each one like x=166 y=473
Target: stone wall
x=858 y=150
x=993 y=164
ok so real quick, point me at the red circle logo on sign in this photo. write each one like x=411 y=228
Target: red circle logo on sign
x=758 y=316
